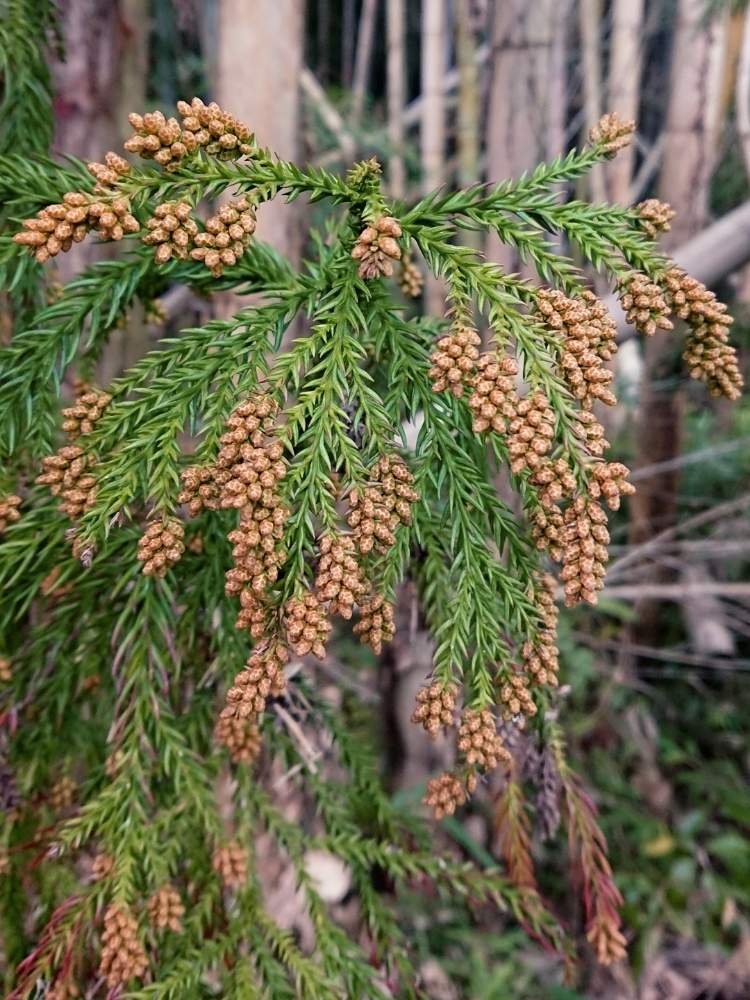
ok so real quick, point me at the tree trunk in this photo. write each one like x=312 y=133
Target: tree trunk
x=468 y=96
x=690 y=144
x=396 y=68
x=365 y=40
x=258 y=66
x=590 y=20
x=624 y=88
x=432 y=138
x=523 y=117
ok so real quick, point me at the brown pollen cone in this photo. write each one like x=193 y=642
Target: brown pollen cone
x=584 y=551
x=494 y=398
x=230 y=863
x=376 y=623
x=479 y=742
x=612 y=133
x=435 y=708
x=376 y=248
x=207 y=126
x=123 y=957
x=262 y=678
x=9 y=512
x=454 y=361
x=165 y=909
x=339 y=579
x=307 y=625
x=240 y=736
x=161 y=546
x=172 y=231
x=531 y=432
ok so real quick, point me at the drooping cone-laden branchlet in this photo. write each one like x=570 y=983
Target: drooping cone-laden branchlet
x=376 y=248
x=320 y=515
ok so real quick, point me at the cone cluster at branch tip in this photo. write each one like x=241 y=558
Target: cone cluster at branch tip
x=9 y=512
x=644 y=304
x=230 y=864
x=554 y=480
x=447 y=792
x=708 y=353
x=655 y=216
x=56 y=228
x=612 y=133
x=376 y=248
x=123 y=957
x=165 y=909
x=454 y=361
x=107 y=174
x=376 y=623
x=68 y=475
x=478 y=741
x=435 y=708
x=585 y=541
x=161 y=546
x=377 y=510
x=86 y=410
x=241 y=737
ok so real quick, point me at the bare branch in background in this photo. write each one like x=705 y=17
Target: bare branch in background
x=331 y=118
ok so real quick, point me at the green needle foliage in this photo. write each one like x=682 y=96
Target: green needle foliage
x=305 y=455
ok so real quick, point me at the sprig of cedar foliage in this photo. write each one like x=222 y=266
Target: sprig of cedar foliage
x=115 y=675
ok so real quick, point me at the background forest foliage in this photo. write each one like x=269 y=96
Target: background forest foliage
x=655 y=700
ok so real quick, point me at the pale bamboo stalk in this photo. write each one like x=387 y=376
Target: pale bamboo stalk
x=363 y=60
x=589 y=21
x=432 y=135
x=468 y=96
x=396 y=70
x=624 y=88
